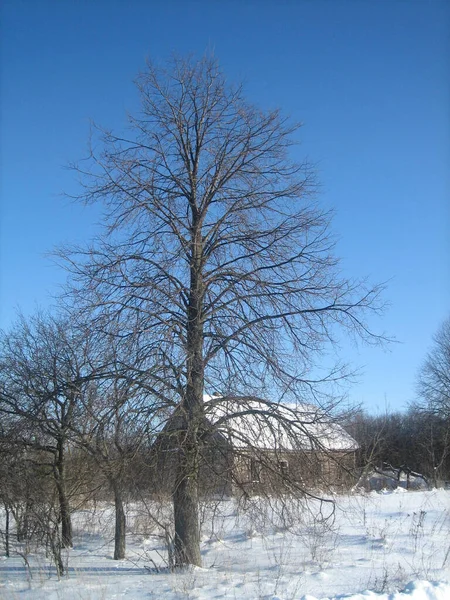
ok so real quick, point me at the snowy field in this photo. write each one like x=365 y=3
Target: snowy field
x=379 y=546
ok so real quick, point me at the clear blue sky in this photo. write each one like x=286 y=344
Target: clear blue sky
x=370 y=80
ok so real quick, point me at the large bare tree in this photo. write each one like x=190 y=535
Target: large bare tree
x=215 y=257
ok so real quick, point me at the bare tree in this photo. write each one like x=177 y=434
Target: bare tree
x=12 y=488
x=414 y=442
x=433 y=440
x=434 y=403
x=372 y=435
x=112 y=429
x=434 y=376
x=28 y=494
x=43 y=370
x=215 y=257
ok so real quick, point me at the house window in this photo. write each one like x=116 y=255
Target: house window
x=255 y=471
x=284 y=467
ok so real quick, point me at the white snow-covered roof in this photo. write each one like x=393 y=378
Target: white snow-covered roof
x=248 y=421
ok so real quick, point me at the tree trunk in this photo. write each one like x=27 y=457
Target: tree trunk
x=55 y=546
x=119 y=534
x=186 y=496
x=21 y=516
x=185 y=504
x=66 y=521
x=7 y=514
x=64 y=508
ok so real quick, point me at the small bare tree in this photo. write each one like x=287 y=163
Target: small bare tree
x=43 y=370
x=215 y=257
x=28 y=495
x=111 y=432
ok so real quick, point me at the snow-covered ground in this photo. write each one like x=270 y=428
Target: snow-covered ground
x=380 y=546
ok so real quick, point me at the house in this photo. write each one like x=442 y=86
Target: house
x=249 y=445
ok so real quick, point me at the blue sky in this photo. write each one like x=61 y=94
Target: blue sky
x=370 y=80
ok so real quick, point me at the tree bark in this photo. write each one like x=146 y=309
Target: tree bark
x=66 y=521
x=53 y=539
x=21 y=518
x=7 y=515
x=186 y=494
x=119 y=534
x=186 y=520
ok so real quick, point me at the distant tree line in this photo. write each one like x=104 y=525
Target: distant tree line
x=419 y=438
x=416 y=440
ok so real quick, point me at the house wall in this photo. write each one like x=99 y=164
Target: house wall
x=225 y=473
x=224 y=470
x=272 y=472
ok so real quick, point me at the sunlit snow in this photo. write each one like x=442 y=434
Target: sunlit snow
x=380 y=546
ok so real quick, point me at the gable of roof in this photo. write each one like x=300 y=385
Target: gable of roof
x=253 y=422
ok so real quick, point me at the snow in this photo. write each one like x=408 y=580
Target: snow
x=416 y=590
x=390 y=545
x=271 y=425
